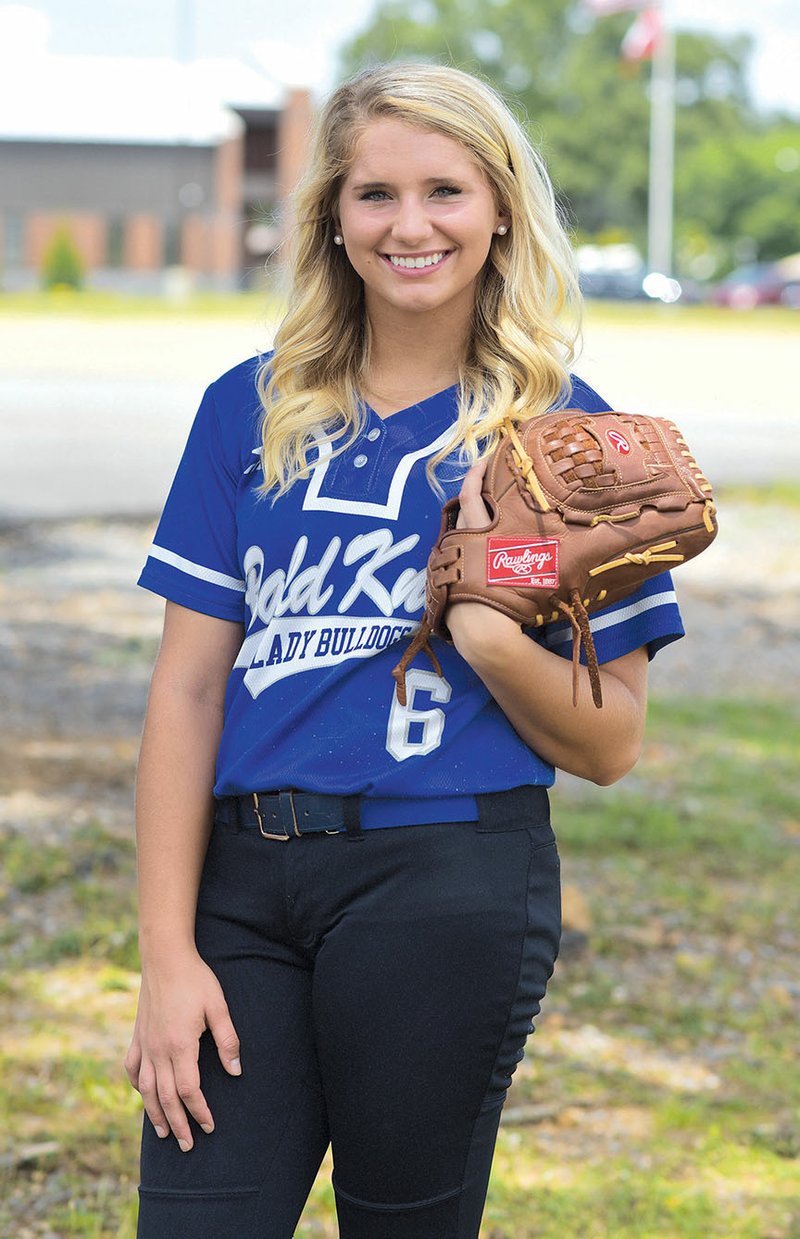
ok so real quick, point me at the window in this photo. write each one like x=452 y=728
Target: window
x=115 y=242
x=172 y=243
x=14 y=239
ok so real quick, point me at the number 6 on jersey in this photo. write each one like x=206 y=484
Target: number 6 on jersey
x=413 y=732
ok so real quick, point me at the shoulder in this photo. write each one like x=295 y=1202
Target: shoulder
x=236 y=390
x=235 y=405
x=584 y=397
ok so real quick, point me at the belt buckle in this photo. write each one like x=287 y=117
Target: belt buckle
x=266 y=834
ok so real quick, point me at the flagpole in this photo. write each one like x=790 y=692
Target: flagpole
x=662 y=150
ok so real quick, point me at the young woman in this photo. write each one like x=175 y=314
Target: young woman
x=350 y=909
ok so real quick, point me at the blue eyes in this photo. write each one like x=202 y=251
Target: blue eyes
x=441 y=191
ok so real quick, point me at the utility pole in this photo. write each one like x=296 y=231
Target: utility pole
x=662 y=150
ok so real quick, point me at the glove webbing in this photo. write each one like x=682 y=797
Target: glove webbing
x=575 y=611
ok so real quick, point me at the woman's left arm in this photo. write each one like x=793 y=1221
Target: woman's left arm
x=533 y=686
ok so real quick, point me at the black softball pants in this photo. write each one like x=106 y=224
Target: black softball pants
x=382 y=988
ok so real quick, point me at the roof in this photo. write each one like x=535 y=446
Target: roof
x=46 y=97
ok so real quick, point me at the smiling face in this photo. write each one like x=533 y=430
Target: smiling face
x=417 y=215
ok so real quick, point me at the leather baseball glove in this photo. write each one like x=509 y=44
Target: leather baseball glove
x=585 y=507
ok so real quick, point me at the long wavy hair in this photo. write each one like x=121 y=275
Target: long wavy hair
x=521 y=340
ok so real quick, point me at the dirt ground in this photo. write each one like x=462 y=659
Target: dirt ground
x=77 y=642
x=77 y=639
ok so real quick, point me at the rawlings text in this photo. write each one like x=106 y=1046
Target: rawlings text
x=531 y=565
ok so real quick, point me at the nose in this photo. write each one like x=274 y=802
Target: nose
x=411 y=225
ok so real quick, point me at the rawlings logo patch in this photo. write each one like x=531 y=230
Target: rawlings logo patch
x=618 y=442
x=523 y=564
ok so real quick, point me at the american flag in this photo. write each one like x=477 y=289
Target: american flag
x=644 y=36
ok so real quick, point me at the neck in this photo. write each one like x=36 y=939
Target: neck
x=416 y=350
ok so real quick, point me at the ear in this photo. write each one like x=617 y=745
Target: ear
x=503 y=217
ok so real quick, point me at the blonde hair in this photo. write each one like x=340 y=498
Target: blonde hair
x=517 y=356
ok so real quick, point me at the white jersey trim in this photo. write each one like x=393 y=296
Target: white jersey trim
x=315 y=502
x=196 y=570
x=621 y=616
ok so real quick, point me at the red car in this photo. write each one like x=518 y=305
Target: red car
x=758 y=283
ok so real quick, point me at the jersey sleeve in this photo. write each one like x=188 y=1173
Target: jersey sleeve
x=649 y=617
x=193 y=560
x=582 y=396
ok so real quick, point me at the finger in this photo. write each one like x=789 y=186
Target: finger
x=473 y=512
x=132 y=1062
x=221 y=1027
x=152 y=1105
x=172 y=1105
x=187 y=1084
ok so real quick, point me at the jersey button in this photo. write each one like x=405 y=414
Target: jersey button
x=373 y=434
x=359 y=461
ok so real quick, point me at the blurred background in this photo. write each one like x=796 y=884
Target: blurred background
x=160 y=143
x=148 y=155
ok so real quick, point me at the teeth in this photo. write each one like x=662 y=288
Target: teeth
x=430 y=261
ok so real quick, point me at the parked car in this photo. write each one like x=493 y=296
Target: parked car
x=788 y=270
x=611 y=271
x=619 y=273
x=612 y=285
x=757 y=283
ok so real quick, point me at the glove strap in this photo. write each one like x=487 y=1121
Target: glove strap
x=577 y=615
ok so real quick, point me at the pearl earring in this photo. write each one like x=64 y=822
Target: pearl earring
x=337 y=240
x=501 y=230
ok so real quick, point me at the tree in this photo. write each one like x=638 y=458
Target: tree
x=491 y=38
x=586 y=110
x=746 y=193
x=62 y=266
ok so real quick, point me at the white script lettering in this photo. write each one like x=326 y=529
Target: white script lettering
x=306 y=590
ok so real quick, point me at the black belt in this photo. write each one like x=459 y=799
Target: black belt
x=283 y=815
x=289 y=814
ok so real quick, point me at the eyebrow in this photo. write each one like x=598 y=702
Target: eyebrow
x=431 y=180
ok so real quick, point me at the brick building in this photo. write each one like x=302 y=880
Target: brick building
x=152 y=165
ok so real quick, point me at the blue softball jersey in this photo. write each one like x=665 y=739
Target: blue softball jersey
x=328 y=583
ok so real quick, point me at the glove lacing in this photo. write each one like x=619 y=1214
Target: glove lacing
x=419 y=642
x=578 y=617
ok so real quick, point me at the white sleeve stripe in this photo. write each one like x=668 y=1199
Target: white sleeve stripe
x=621 y=616
x=198 y=570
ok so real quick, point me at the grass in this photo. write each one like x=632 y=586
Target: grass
x=784 y=493
x=92 y=303
x=719 y=784
x=267 y=303
x=664 y=1061
x=647 y=314
x=92 y=875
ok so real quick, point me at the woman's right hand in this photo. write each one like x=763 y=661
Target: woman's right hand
x=178 y=1000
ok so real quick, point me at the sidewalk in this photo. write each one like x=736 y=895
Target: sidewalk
x=94 y=413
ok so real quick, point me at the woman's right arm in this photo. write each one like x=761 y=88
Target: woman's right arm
x=180 y=996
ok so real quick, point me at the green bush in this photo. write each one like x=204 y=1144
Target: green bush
x=62 y=266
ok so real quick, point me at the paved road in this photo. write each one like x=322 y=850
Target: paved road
x=93 y=414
